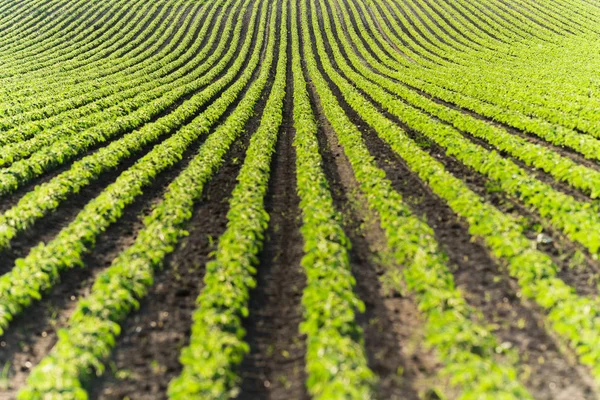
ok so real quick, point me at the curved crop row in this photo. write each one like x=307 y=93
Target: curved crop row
x=68 y=105
x=119 y=288
x=44 y=132
x=560 y=167
x=80 y=16
x=335 y=352
x=413 y=245
x=54 y=82
x=575 y=218
x=59 y=152
x=216 y=342
x=41 y=268
x=574 y=318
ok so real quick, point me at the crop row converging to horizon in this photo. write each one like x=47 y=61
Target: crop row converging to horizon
x=330 y=199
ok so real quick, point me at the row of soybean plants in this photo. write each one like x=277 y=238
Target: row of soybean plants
x=75 y=102
x=71 y=43
x=36 y=273
x=460 y=88
x=164 y=64
x=58 y=146
x=78 y=23
x=448 y=78
x=493 y=86
x=572 y=317
x=58 y=94
x=31 y=137
x=575 y=218
x=134 y=55
x=413 y=244
x=560 y=167
x=150 y=37
x=119 y=289
x=23 y=25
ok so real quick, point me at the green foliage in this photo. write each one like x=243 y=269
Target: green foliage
x=335 y=349
x=41 y=269
x=465 y=347
x=573 y=317
x=216 y=344
x=80 y=351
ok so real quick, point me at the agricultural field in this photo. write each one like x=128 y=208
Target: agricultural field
x=294 y=199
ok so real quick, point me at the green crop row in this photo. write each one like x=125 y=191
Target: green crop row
x=60 y=152
x=576 y=219
x=11 y=12
x=32 y=276
x=68 y=41
x=129 y=51
x=68 y=12
x=335 y=352
x=35 y=204
x=93 y=326
x=42 y=100
x=509 y=93
x=81 y=17
x=29 y=119
x=152 y=90
x=12 y=16
x=574 y=318
x=450 y=75
x=64 y=81
x=131 y=54
x=216 y=343
x=467 y=349
x=75 y=40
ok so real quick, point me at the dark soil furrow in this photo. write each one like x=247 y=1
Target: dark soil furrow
x=32 y=334
x=146 y=357
x=564 y=252
x=274 y=368
x=578 y=267
x=485 y=284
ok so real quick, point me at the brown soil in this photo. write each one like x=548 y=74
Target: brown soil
x=146 y=356
x=274 y=369
x=486 y=284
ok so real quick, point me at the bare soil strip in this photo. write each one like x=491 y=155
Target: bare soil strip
x=146 y=357
x=547 y=372
x=32 y=335
x=274 y=369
